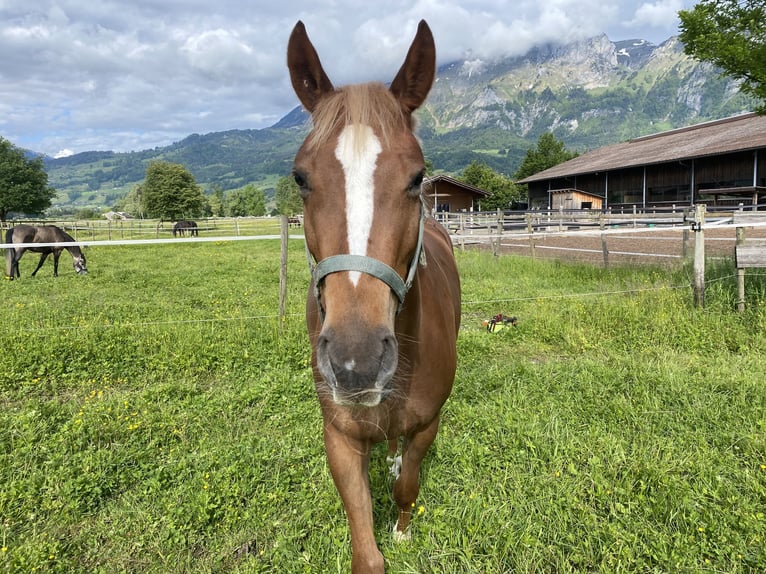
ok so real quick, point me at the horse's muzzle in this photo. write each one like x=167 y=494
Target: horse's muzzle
x=359 y=367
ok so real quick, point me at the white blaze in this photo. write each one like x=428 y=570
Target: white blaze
x=357 y=151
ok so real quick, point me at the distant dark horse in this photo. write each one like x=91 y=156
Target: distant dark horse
x=40 y=234
x=182 y=226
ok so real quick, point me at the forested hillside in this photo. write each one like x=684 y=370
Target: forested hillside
x=589 y=94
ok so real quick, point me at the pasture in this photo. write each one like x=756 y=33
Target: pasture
x=156 y=417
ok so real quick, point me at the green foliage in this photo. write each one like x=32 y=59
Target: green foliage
x=171 y=192
x=132 y=203
x=23 y=183
x=171 y=425
x=288 y=197
x=731 y=34
x=503 y=190
x=216 y=201
x=246 y=201
x=548 y=152
x=88 y=213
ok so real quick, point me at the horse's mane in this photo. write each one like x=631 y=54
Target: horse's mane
x=370 y=104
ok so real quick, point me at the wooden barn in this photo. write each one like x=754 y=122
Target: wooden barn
x=575 y=199
x=446 y=194
x=720 y=163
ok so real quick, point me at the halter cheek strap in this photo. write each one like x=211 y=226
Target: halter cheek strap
x=371 y=266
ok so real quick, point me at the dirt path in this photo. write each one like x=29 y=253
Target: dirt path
x=658 y=246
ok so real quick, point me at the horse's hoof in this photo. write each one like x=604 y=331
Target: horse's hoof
x=405 y=536
x=396 y=465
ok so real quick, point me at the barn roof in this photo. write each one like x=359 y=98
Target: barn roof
x=737 y=133
x=457 y=183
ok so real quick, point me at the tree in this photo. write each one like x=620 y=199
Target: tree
x=23 y=182
x=288 y=197
x=730 y=34
x=171 y=192
x=503 y=190
x=132 y=203
x=246 y=201
x=548 y=152
x=216 y=200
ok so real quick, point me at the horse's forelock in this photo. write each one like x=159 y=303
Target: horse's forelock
x=369 y=104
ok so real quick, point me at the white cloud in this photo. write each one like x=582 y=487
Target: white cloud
x=656 y=13
x=127 y=75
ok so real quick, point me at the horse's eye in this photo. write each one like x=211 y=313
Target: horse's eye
x=300 y=180
x=415 y=184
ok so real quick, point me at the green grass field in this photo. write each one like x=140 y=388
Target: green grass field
x=155 y=417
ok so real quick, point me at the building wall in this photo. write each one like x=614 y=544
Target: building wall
x=448 y=197
x=731 y=170
x=668 y=183
x=572 y=199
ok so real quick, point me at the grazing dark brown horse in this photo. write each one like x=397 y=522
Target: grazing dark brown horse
x=383 y=309
x=41 y=234
x=182 y=226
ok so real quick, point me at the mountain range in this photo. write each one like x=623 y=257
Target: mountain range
x=590 y=93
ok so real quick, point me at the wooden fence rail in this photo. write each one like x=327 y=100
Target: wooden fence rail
x=750 y=252
x=674 y=234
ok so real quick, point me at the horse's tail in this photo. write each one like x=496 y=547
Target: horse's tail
x=10 y=254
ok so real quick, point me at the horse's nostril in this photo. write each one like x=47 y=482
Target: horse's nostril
x=389 y=358
x=357 y=367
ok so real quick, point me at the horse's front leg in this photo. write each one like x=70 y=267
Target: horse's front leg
x=349 y=462
x=15 y=255
x=43 y=257
x=56 y=255
x=407 y=485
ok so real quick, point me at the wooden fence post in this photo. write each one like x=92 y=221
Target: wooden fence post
x=282 y=267
x=530 y=231
x=604 y=247
x=462 y=231
x=740 y=233
x=699 y=255
x=499 y=231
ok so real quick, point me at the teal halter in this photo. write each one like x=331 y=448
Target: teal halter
x=371 y=266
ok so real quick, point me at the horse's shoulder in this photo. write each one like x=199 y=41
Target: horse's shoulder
x=436 y=233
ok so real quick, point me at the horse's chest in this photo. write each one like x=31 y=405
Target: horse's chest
x=376 y=424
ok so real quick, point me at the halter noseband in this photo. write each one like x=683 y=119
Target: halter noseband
x=371 y=266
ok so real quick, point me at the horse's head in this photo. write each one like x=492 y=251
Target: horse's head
x=360 y=172
x=78 y=261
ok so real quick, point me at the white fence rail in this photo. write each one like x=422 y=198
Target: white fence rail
x=595 y=236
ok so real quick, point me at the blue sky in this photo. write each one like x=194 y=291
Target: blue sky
x=79 y=75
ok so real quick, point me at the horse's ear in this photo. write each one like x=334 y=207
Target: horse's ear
x=309 y=79
x=414 y=79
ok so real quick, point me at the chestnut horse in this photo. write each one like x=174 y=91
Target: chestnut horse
x=383 y=309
